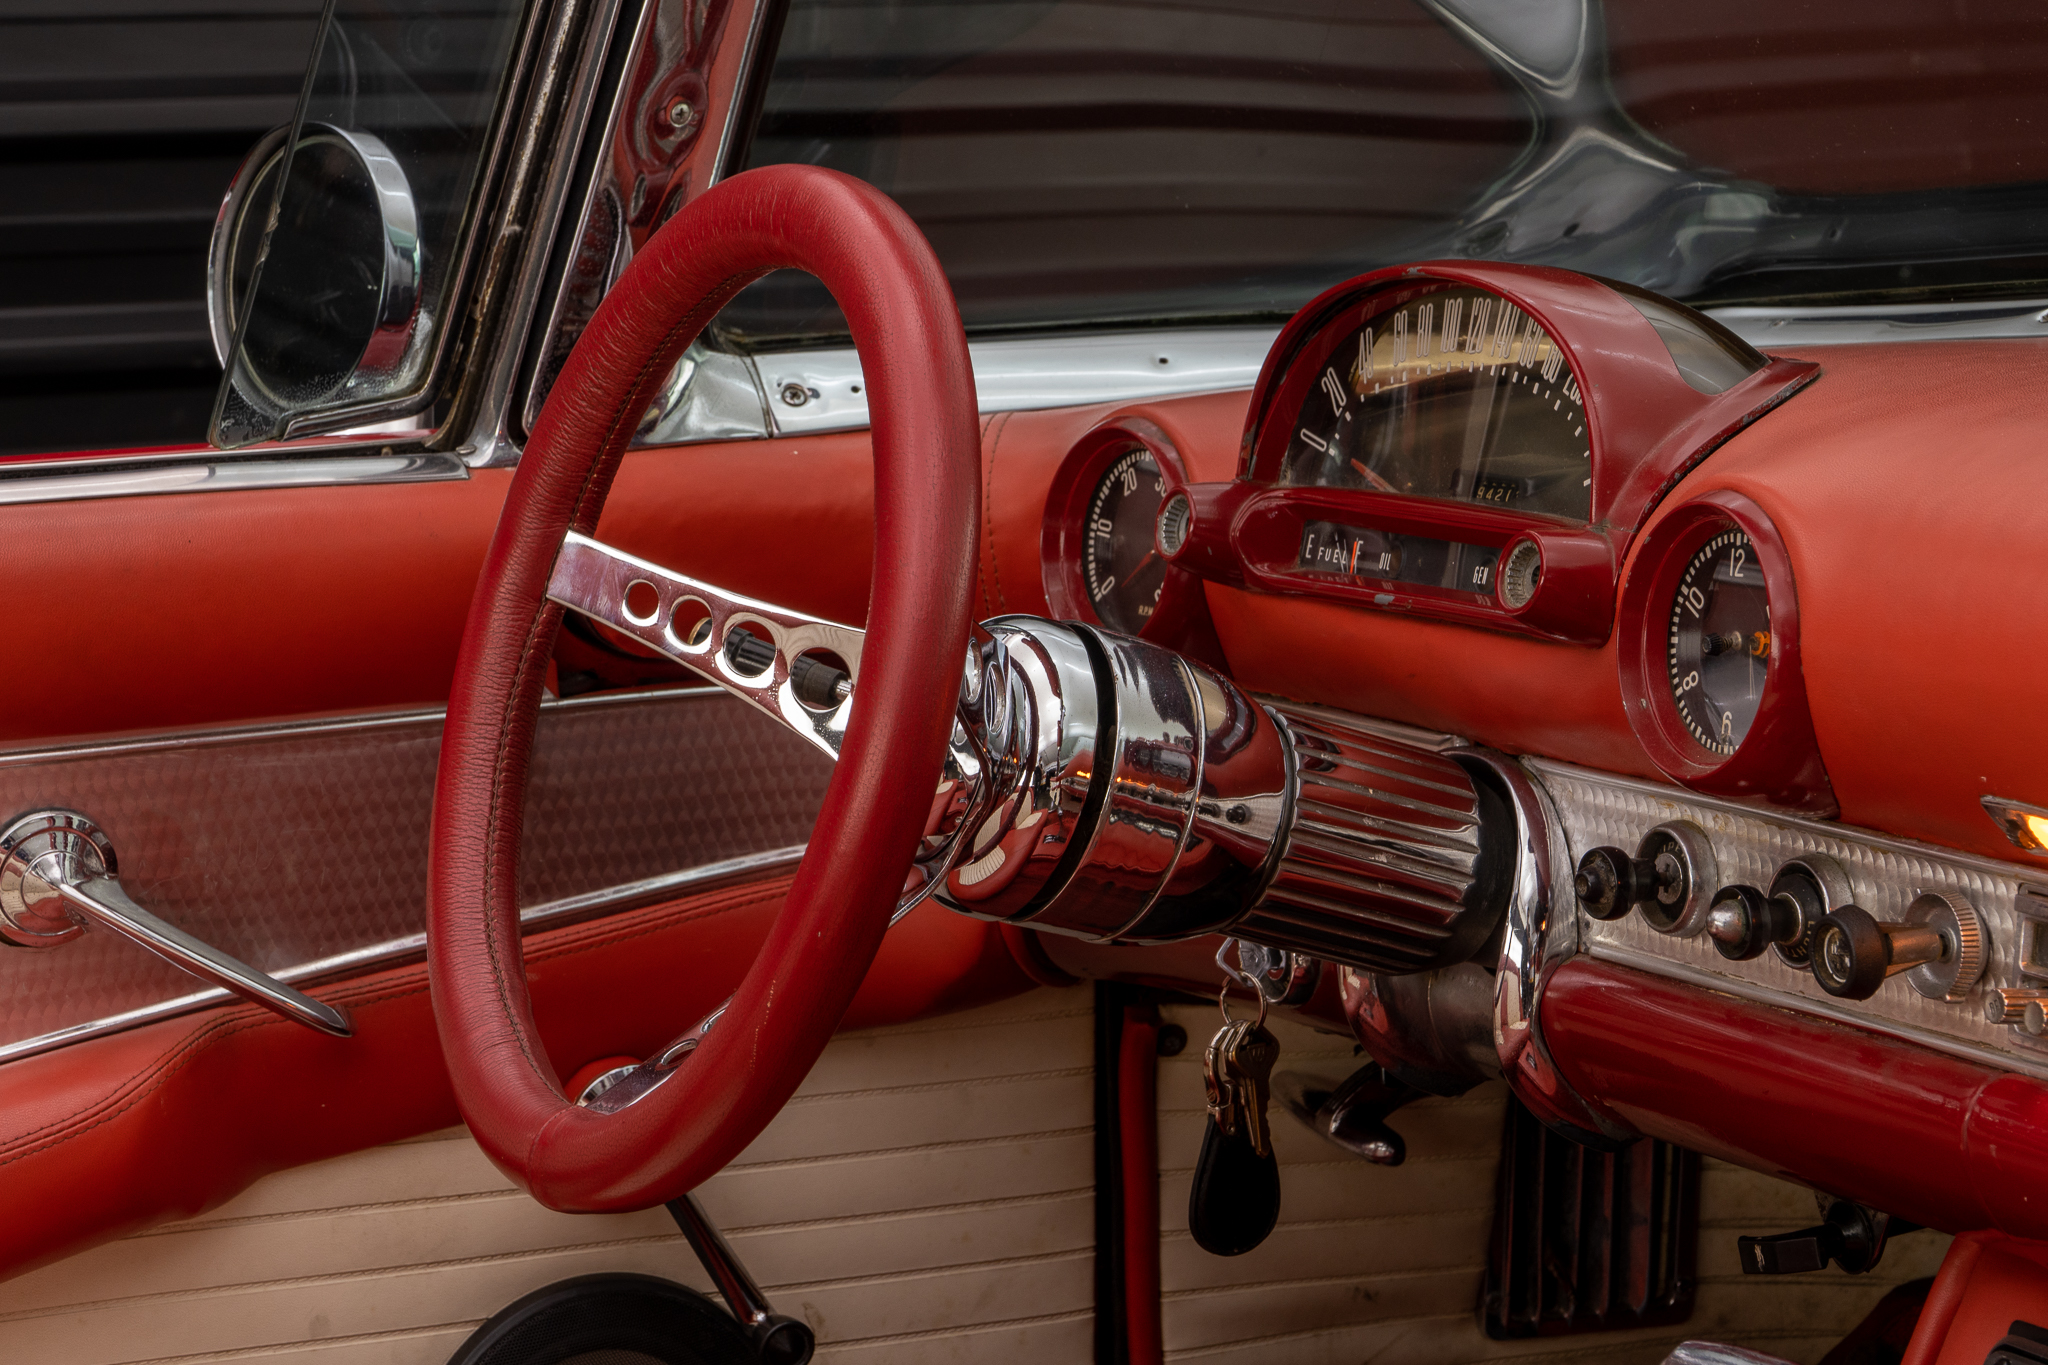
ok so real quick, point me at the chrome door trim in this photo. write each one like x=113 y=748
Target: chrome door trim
x=316 y=725
x=180 y=472
x=396 y=952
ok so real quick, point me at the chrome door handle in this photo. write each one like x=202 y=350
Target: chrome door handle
x=57 y=875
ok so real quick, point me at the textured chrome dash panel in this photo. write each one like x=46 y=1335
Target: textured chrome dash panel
x=305 y=842
x=1749 y=846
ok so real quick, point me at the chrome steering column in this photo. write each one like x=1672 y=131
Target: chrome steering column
x=1102 y=787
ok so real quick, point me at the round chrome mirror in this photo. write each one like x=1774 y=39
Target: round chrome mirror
x=338 y=296
x=237 y=236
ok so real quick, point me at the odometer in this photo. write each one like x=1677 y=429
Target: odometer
x=1121 y=567
x=1720 y=642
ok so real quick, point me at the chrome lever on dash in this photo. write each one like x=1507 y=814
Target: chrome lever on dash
x=57 y=875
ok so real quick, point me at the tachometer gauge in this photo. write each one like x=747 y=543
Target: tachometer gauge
x=1720 y=650
x=1456 y=394
x=1120 y=567
x=1099 y=540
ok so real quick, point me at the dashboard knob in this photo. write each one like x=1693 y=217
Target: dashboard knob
x=1940 y=942
x=1609 y=883
x=1743 y=921
x=1814 y=884
x=1668 y=877
x=2022 y=1009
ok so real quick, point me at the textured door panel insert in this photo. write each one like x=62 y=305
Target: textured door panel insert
x=295 y=845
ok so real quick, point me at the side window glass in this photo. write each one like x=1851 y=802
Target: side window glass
x=120 y=125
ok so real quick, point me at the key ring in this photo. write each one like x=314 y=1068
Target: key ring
x=1223 y=1004
x=1235 y=976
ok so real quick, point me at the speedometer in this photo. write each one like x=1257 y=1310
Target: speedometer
x=1454 y=394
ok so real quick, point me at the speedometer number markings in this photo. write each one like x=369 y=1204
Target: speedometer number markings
x=1454 y=394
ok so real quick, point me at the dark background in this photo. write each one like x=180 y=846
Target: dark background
x=121 y=123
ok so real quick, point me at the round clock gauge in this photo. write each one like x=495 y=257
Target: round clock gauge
x=1710 y=662
x=1719 y=641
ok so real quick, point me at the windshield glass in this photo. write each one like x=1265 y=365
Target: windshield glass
x=1092 y=162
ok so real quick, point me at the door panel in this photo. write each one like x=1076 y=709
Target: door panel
x=302 y=849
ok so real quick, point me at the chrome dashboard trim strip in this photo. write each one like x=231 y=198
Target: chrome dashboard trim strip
x=809 y=392
x=1886 y=874
x=71 y=481
x=1862 y=325
x=552 y=914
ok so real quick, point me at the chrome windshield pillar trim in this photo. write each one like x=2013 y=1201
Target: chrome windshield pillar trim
x=710 y=396
x=202 y=471
x=1540 y=933
x=766 y=655
x=58 y=874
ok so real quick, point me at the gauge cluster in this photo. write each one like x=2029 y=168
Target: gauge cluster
x=1483 y=445
x=1473 y=442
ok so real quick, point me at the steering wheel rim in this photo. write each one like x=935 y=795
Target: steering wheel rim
x=906 y=327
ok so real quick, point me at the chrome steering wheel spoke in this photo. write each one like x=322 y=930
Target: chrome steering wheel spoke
x=799 y=669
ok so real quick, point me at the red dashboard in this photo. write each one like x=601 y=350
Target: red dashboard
x=1901 y=482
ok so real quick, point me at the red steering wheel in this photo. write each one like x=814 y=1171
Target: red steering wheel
x=921 y=398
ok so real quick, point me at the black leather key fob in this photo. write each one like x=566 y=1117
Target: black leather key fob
x=1236 y=1196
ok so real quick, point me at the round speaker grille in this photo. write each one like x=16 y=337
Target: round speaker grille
x=608 y=1320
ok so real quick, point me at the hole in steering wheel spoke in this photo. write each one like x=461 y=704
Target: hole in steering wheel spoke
x=641 y=602
x=689 y=623
x=820 y=679
x=748 y=654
